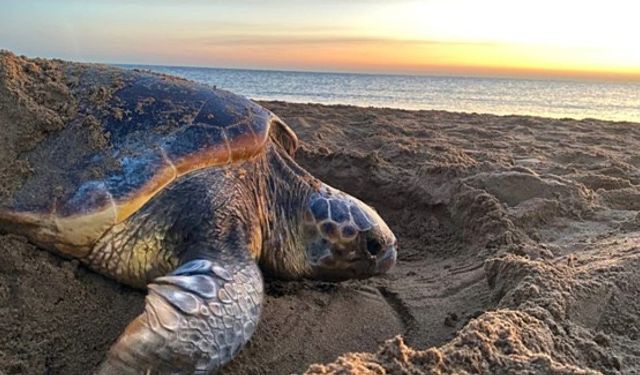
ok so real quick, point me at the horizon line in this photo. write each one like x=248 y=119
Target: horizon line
x=496 y=73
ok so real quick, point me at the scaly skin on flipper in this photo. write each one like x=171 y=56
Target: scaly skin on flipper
x=198 y=316
x=196 y=319
x=192 y=194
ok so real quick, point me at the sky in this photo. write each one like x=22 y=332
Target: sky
x=541 y=38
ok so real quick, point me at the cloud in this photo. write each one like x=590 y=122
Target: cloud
x=282 y=39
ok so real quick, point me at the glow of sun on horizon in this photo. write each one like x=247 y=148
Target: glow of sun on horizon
x=497 y=37
x=546 y=34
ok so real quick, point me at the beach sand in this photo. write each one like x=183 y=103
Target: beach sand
x=518 y=251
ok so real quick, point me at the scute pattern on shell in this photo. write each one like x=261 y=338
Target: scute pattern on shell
x=171 y=124
x=157 y=128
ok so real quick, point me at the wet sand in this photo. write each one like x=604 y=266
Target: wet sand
x=518 y=251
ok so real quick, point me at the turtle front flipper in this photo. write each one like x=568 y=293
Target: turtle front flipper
x=196 y=319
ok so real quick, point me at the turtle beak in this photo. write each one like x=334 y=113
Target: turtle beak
x=386 y=259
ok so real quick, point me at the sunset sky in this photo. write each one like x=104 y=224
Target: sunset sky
x=565 y=38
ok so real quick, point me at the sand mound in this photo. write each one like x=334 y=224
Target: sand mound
x=575 y=317
x=517 y=251
x=32 y=94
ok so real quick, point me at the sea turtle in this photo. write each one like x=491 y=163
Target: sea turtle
x=191 y=192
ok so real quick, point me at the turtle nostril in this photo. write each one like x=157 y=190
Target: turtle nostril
x=373 y=246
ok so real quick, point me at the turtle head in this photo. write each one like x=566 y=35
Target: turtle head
x=344 y=238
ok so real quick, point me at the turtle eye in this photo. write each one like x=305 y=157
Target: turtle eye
x=373 y=246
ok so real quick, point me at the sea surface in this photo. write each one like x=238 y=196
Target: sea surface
x=549 y=98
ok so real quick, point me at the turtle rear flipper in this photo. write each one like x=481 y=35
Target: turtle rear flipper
x=196 y=319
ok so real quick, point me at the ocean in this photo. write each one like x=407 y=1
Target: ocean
x=550 y=98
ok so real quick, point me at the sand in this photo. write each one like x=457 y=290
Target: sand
x=518 y=252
